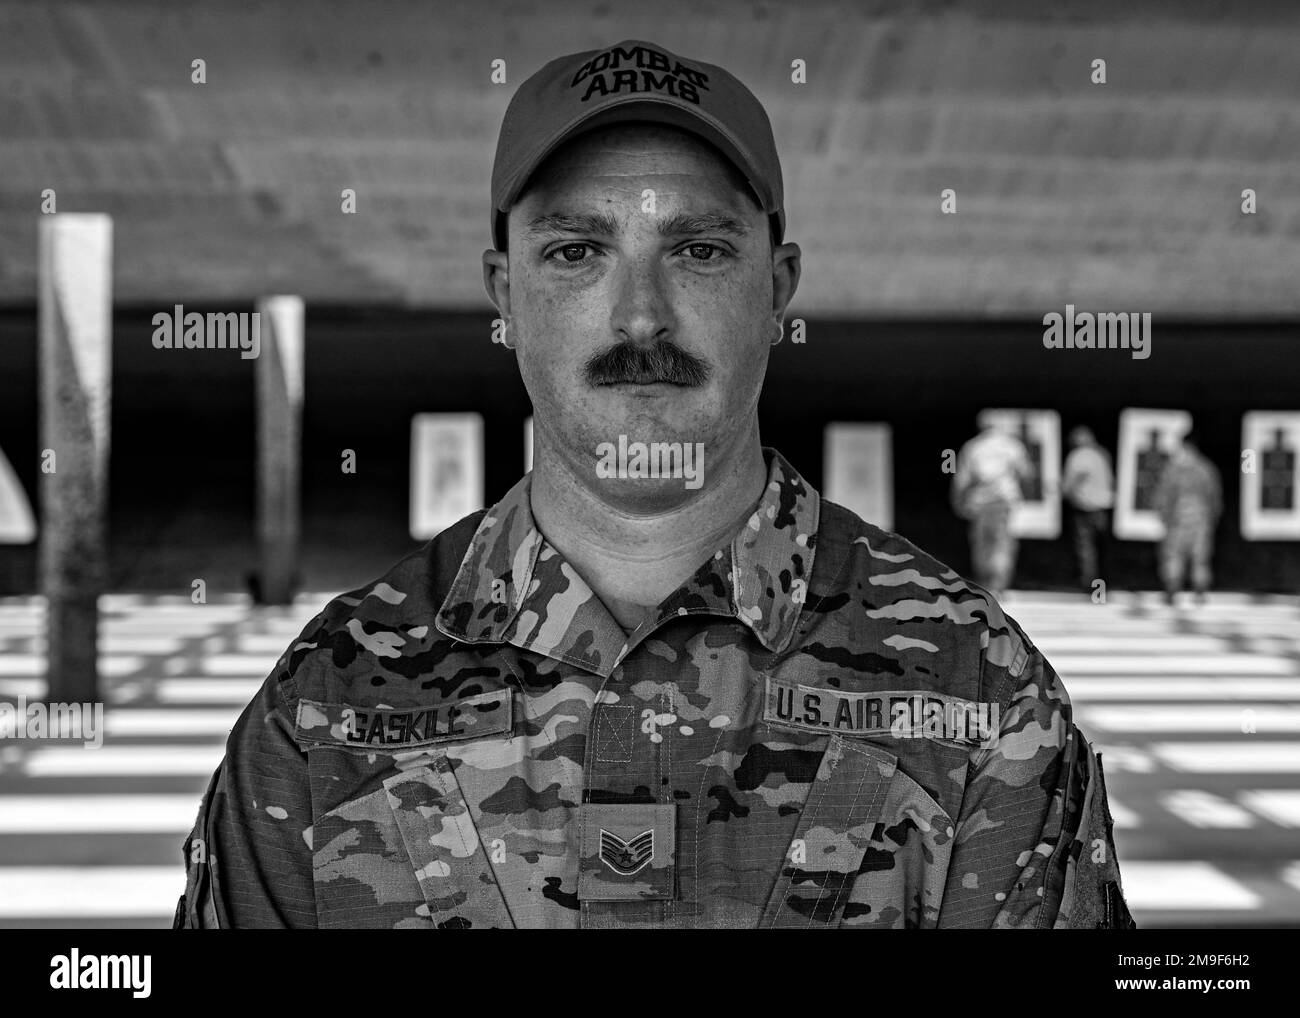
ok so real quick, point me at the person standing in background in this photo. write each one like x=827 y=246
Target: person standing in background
x=1088 y=487
x=1189 y=499
x=986 y=491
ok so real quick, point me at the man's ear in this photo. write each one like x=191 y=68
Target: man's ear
x=496 y=280
x=785 y=280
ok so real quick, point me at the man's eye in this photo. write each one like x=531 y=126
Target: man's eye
x=712 y=248
x=566 y=249
x=573 y=254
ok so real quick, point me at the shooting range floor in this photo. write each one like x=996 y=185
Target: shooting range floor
x=1206 y=810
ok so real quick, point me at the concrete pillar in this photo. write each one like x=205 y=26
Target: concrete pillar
x=75 y=307
x=279 y=373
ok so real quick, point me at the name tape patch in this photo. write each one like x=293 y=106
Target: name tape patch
x=369 y=727
x=901 y=714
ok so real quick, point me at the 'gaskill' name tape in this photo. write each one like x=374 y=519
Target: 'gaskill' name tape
x=367 y=727
x=902 y=714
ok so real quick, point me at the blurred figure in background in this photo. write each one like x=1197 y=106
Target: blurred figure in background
x=1088 y=487
x=1189 y=499
x=986 y=491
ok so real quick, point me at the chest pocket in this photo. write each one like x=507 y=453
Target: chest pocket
x=402 y=851
x=871 y=847
x=407 y=855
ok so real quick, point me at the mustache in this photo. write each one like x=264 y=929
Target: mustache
x=665 y=361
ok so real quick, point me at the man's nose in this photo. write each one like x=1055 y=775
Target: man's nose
x=642 y=312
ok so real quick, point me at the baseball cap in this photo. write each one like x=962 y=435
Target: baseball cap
x=630 y=81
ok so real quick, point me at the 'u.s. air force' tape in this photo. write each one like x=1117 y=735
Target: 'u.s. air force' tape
x=901 y=714
x=369 y=728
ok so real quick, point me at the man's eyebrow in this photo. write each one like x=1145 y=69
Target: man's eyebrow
x=601 y=223
x=684 y=224
x=604 y=224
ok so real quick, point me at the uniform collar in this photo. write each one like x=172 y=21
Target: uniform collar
x=514 y=587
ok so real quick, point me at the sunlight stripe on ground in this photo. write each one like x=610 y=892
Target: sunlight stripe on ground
x=131 y=643
x=182 y=690
x=1173 y=689
x=193 y=620
x=98 y=814
x=114 y=761
x=135 y=600
x=110 y=667
x=269 y=645
x=1158 y=885
x=1206 y=810
x=1148 y=664
x=52 y=891
x=1053 y=646
x=1117 y=624
x=170 y=690
x=237 y=664
x=1245 y=757
x=1125 y=818
x=143 y=625
x=1280 y=805
x=144 y=721
x=1171 y=717
x=238 y=641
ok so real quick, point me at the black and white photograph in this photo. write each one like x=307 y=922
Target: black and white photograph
x=685 y=466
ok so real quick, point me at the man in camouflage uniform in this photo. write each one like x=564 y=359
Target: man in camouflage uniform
x=1189 y=501
x=617 y=700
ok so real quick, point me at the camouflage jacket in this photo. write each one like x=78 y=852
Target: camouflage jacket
x=823 y=727
x=1189 y=492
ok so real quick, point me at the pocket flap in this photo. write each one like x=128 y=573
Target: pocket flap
x=844 y=803
x=450 y=864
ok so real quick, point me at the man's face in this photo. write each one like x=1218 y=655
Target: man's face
x=640 y=295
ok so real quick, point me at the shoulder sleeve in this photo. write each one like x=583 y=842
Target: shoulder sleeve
x=1085 y=890
x=1028 y=808
x=248 y=860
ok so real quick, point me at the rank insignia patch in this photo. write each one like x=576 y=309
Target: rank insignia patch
x=628 y=851
x=626 y=857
